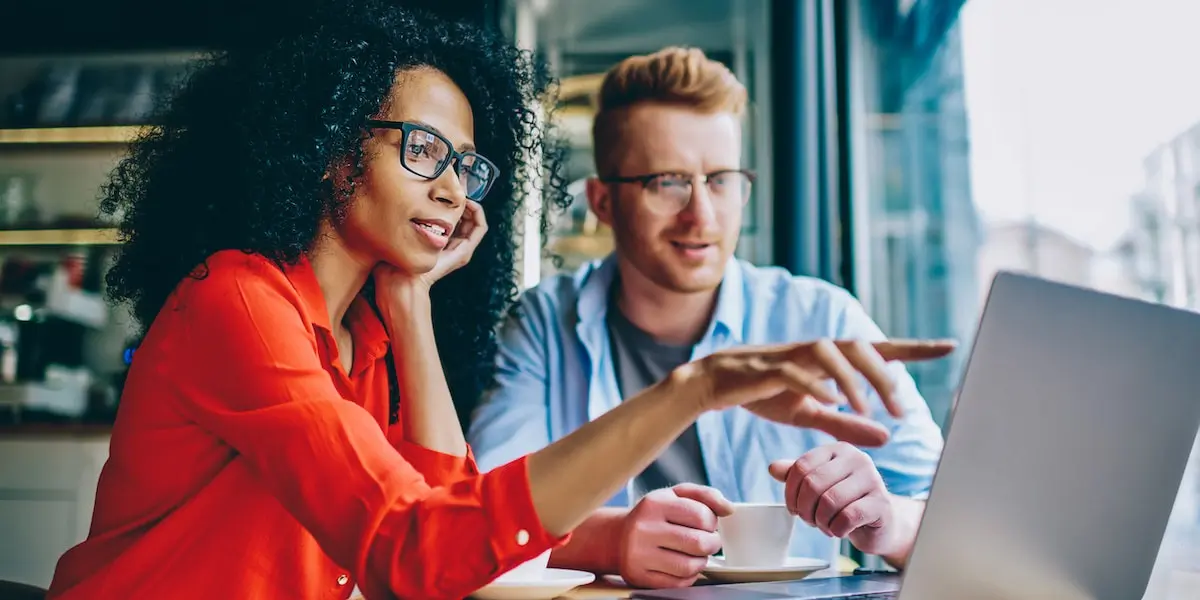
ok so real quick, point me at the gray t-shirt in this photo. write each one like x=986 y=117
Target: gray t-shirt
x=640 y=362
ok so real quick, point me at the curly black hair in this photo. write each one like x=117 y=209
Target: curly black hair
x=236 y=159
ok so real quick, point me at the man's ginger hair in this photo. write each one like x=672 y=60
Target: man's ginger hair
x=673 y=76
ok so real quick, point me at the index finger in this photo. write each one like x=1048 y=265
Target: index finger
x=693 y=514
x=914 y=350
x=708 y=496
x=474 y=221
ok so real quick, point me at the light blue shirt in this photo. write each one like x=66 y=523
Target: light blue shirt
x=555 y=373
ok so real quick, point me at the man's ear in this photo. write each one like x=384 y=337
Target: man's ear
x=600 y=200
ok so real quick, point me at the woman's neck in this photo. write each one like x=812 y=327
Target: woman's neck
x=340 y=274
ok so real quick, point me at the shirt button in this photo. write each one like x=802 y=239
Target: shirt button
x=522 y=537
x=342 y=579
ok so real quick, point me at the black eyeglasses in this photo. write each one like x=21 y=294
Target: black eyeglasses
x=426 y=154
x=669 y=193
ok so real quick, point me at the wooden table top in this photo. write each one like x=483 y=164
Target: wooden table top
x=1178 y=584
x=609 y=588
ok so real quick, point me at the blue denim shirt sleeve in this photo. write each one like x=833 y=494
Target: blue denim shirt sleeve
x=512 y=419
x=908 y=461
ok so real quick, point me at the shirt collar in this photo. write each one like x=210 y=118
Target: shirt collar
x=304 y=280
x=731 y=302
x=370 y=337
x=594 y=284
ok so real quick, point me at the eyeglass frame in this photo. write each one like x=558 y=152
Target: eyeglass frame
x=453 y=157
x=647 y=178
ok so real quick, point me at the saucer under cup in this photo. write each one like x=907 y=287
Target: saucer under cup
x=530 y=570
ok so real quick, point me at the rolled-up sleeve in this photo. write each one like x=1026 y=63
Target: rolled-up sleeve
x=438 y=468
x=409 y=522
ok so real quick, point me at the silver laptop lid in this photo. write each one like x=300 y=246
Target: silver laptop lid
x=1076 y=417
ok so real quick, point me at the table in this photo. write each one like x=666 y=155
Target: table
x=1178 y=584
x=601 y=589
x=1183 y=585
x=597 y=590
x=611 y=587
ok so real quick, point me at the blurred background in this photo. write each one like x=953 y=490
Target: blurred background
x=906 y=150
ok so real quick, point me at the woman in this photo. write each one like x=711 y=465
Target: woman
x=286 y=429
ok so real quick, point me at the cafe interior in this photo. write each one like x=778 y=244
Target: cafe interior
x=906 y=150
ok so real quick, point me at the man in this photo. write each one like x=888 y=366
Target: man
x=667 y=143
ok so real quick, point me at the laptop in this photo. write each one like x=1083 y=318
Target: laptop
x=1074 y=422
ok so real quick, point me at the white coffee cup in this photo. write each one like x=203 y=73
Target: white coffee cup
x=531 y=570
x=756 y=535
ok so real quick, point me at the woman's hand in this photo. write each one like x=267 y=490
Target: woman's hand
x=789 y=383
x=393 y=285
x=427 y=411
x=463 y=241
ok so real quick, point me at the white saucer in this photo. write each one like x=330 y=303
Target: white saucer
x=554 y=583
x=793 y=568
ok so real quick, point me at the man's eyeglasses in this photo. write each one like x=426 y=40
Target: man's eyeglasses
x=426 y=154
x=670 y=193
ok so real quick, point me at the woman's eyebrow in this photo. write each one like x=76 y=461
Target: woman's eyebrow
x=467 y=147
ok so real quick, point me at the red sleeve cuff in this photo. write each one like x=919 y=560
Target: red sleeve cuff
x=517 y=532
x=438 y=468
x=451 y=540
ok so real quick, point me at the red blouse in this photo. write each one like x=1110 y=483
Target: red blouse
x=246 y=463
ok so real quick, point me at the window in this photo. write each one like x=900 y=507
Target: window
x=916 y=211
x=972 y=150
x=582 y=40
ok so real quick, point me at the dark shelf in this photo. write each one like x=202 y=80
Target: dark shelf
x=72 y=26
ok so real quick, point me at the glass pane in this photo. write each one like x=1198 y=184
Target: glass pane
x=919 y=225
x=1057 y=138
x=584 y=39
